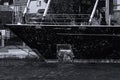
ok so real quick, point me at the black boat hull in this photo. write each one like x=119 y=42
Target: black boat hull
x=88 y=42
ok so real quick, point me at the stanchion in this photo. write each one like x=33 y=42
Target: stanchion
x=2 y=41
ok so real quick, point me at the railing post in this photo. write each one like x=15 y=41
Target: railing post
x=2 y=38
x=107 y=12
x=24 y=44
x=2 y=41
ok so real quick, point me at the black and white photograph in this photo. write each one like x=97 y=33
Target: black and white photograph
x=59 y=39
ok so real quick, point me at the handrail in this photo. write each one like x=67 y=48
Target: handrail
x=66 y=14
x=57 y=18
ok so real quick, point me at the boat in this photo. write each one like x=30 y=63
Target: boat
x=69 y=26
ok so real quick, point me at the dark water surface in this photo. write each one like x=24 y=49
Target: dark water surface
x=31 y=70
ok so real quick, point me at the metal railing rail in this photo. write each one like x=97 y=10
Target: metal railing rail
x=59 y=19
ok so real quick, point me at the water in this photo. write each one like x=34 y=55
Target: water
x=32 y=70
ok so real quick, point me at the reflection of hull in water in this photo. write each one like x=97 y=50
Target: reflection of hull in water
x=88 y=42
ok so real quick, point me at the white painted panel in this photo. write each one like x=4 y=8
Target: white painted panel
x=33 y=7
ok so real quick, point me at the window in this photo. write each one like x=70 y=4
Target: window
x=117 y=4
x=38 y=3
